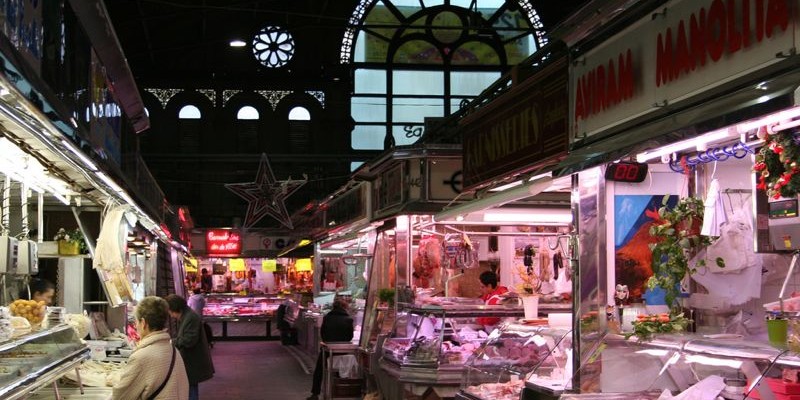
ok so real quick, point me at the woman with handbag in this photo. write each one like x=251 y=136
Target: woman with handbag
x=155 y=370
x=191 y=340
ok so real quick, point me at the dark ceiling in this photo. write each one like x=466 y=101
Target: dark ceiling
x=185 y=44
x=185 y=41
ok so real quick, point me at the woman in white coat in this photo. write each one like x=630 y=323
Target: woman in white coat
x=155 y=370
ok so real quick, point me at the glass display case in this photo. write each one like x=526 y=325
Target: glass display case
x=30 y=362
x=220 y=305
x=698 y=367
x=430 y=344
x=252 y=315
x=515 y=355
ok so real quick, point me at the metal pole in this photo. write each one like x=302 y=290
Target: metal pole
x=87 y=238
x=6 y=206
x=40 y=217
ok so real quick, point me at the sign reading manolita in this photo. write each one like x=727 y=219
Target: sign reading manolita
x=677 y=54
x=523 y=129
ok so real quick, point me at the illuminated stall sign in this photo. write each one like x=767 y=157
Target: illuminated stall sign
x=523 y=129
x=223 y=243
x=680 y=52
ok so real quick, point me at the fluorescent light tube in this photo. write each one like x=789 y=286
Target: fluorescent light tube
x=534 y=217
x=785 y=115
x=86 y=161
x=506 y=186
x=684 y=145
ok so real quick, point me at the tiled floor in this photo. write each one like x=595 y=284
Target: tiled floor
x=255 y=370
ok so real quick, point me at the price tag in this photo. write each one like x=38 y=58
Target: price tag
x=269 y=265
x=539 y=341
x=236 y=264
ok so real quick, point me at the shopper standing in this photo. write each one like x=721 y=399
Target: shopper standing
x=197 y=301
x=155 y=369
x=192 y=342
x=337 y=326
x=205 y=280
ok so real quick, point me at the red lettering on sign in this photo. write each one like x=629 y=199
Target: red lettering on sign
x=721 y=30
x=222 y=242
x=604 y=86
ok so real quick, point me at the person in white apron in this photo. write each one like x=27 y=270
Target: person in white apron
x=330 y=284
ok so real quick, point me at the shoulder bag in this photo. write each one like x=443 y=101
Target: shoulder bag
x=169 y=373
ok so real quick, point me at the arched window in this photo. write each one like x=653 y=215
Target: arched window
x=299 y=114
x=189 y=128
x=247 y=129
x=189 y=112
x=247 y=112
x=299 y=130
x=416 y=59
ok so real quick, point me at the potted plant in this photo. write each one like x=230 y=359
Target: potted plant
x=677 y=237
x=386 y=296
x=70 y=242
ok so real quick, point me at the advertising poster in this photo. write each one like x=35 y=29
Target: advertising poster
x=633 y=258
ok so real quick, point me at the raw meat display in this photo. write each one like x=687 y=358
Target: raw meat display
x=508 y=351
x=498 y=391
x=427 y=262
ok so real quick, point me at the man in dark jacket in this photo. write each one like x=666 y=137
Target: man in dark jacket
x=191 y=341
x=337 y=326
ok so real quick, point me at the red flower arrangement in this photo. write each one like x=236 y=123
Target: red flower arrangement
x=777 y=165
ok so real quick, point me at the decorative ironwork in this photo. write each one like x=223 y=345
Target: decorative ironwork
x=346 y=53
x=273 y=46
x=164 y=95
x=357 y=19
x=319 y=95
x=535 y=21
x=274 y=96
x=227 y=94
x=210 y=93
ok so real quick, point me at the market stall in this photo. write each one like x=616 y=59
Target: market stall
x=685 y=208
x=511 y=224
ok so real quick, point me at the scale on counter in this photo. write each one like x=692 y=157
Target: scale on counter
x=784 y=224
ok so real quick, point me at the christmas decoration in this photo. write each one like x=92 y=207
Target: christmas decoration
x=266 y=196
x=777 y=165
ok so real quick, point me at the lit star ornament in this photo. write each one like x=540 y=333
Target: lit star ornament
x=266 y=196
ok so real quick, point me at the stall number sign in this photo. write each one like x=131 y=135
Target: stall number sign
x=223 y=242
x=626 y=172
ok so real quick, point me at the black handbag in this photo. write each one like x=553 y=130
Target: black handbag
x=169 y=373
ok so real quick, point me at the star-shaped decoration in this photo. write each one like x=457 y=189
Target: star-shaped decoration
x=266 y=196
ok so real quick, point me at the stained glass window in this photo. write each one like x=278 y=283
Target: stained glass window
x=425 y=58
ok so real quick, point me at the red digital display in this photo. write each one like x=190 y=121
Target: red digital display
x=223 y=243
x=626 y=172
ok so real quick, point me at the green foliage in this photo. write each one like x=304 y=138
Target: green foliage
x=73 y=236
x=647 y=325
x=386 y=295
x=678 y=239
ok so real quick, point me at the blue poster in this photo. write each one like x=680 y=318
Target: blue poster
x=632 y=255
